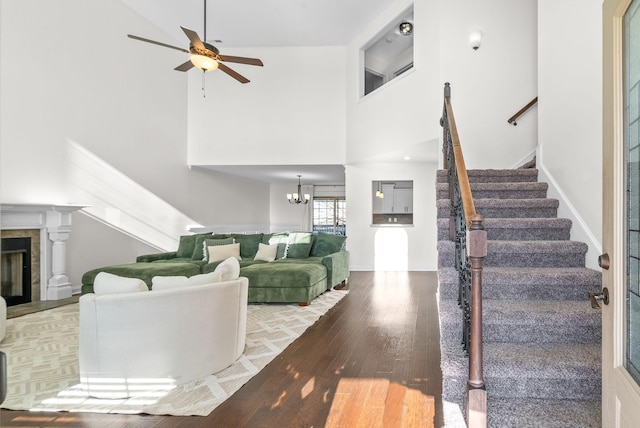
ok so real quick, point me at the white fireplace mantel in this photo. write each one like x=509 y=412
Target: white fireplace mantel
x=54 y=222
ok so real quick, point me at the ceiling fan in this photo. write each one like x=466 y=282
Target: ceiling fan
x=205 y=56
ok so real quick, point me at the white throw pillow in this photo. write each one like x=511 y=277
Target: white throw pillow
x=108 y=283
x=223 y=252
x=266 y=253
x=205 y=278
x=229 y=269
x=166 y=282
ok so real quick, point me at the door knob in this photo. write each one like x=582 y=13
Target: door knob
x=603 y=261
x=596 y=298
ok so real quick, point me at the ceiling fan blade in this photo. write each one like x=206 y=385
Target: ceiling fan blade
x=184 y=66
x=142 y=39
x=241 y=60
x=194 y=38
x=240 y=78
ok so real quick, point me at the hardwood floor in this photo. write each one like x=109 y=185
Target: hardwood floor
x=372 y=361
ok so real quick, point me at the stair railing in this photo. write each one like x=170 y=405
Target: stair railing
x=523 y=110
x=466 y=226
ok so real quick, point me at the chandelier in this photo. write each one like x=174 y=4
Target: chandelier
x=295 y=198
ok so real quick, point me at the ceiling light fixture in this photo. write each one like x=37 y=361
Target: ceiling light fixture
x=379 y=193
x=204 y=63
x=294 y=198
x=406 y=28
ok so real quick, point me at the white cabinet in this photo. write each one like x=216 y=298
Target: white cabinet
x=402 y=201
x=395 y=201
x=387 y=201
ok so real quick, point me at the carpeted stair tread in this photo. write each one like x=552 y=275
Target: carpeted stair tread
x=536 y=413
x=523 y=229
x=537 y=370
x=541 y=283
x=528 y=321
x=507 y=208
x=536 y=253
x=494 y=175
x=523 y=253
x=519 y=190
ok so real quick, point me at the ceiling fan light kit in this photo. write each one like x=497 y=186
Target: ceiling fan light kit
x=204 y=63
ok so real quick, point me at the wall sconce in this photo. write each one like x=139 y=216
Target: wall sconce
x=475 y=37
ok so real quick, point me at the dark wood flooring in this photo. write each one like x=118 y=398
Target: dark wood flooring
x=372 y=361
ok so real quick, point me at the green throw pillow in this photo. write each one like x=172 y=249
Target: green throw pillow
x=248 y=244
x=299 y=245
x=212 y=243
x=326 y=243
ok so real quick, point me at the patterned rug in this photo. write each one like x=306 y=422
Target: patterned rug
x=42 y=362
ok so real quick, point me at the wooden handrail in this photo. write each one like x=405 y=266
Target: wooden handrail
x=512 y=119
x=471 y=250
x=461 y=169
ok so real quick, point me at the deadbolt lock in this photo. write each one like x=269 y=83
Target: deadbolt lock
x=596 y=298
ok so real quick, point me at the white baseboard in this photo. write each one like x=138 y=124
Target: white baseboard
x=579 y=229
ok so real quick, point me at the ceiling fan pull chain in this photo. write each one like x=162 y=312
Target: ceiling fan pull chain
x=204 y=94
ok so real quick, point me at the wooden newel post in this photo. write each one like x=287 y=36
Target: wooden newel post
x=476 y=391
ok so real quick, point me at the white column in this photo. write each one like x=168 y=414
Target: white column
x=58 y=230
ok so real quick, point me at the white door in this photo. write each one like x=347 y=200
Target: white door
x=621 y=213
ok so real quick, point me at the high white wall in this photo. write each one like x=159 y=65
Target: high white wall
x=570 y=112
x=491 y=84
x=292 y=111
x=68 y=72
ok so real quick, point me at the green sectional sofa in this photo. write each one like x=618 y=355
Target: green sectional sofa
x=305 y=265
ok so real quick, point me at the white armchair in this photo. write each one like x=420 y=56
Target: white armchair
x=162 y=337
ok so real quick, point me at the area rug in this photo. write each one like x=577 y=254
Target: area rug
x=42 y=362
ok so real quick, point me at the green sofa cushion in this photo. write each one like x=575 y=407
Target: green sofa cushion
x=187 y=245
x=326 y=243
x=143 y=271
x=210 y=267
x=248 y=244
x=299 y=245
x=284 y=275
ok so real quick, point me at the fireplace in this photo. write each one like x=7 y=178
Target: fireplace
x=48 y=227
x=15 y=270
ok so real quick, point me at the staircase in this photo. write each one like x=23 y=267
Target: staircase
x=541 y=336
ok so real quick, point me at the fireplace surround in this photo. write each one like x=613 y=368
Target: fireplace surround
x=49 y=226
